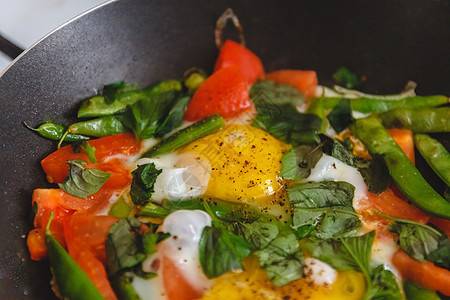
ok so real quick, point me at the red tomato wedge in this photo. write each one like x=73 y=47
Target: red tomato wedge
x=55 y=165
x=36 y=244
x=175 y=285
x=233 y=53
x=225 y=93
x=305 y=81
x=442 y=224
x=404 y=139
x=426 y=274
x=86 y=236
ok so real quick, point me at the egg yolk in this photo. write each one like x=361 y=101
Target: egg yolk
x=254 y=284
x=245 y=164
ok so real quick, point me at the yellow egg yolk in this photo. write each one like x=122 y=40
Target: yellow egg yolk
x=254 y=284
x=245 y=164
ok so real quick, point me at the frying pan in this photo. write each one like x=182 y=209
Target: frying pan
x=389 y=41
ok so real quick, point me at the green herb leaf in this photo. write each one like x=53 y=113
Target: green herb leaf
x=282 y=258
x=259 y=234
x=89 y=151
x=383 y=285
x=441 y=256
x=337 y=149
x=416 y=239
x=81 y=182
x=277 y=93
x=175 y=117
x=221 y=251
x=113 y=90
x=375 y=173
x=297 y=163
x=326 y=206
x=340 y=116
x=126 y=247
x=142 y=186
x=346 y=77
x=145 y=116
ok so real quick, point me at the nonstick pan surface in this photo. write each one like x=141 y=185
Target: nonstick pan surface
x=388 y=41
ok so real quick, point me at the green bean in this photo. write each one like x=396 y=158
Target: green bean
x=55 y=131
x=123 y=287
x=369 y=105
x=405 y=175
x=185 y=136
x=121 y=208
x=435 y=154
x=418 y=120
x=100 y=127
x=72 y=281
x=415 y=292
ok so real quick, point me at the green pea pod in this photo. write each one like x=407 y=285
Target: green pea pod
x=123 y=287
x=55 y=131
x=435 y=154
x=100 y=127
x=317 y=107
x=369 y=105
x=418 y=120
x=405 y=175
x=415 y=292
x=72 y=281
x=121 y=208
x=164 y=86
x=185 y=136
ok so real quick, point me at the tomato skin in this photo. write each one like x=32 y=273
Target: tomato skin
x=249 y=64
x=426 y=274
x=442 y=224
x=55 y=165
x=175 y=285
x=36 y=244
x=86 y=236
x=404 y=138
x=225 y=93
x=305 y=81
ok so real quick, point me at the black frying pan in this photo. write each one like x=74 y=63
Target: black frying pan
x=389 y=41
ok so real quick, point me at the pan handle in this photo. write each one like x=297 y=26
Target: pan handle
x=9 y=48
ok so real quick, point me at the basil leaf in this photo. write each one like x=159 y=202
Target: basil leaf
x=276 y=93
x=277 y=114
x=127 y=247
x=175 y=117
x=258 y=234
x=346 y=77
x=282 y=258
x=337 y=149
x=142 y=186
x=113 y=90
x=297 y=163
x=326 y=206
x=416 y=239
x=375 y=173
x=383 y=285
x=340 y=116
x=221 y=251
x=440 y=256
x=81 y=182
x=146 y=115
x=346 y=253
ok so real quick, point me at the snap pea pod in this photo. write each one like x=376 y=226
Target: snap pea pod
x=369 y=105
x=415 y=292
x=99 y=127
x=97 y=106
x=185 y=136
x=123 y=287
x=405 y=175
x=72 y=281
x=418 y=120
x=435 y=154
x=55 y=131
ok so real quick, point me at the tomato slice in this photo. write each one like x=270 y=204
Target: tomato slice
x=426 y=274
x=225 y=93
x=175 y=284
x=442 y=224
x=404 y=139
x=233 y=53
x=86 y=236
x=305 y=81
x=36 y=244
x=55 y=165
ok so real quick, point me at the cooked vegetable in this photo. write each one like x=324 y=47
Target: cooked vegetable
x=416 y=292
x=407 y=178
x=340 y=116
x=435 y=154
x=346 y=77
x=55 y=132
x=184 y=136
x=304 y=81
x=142 y=186
x=71 y=280
x=418 y=120
x=100 y=127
